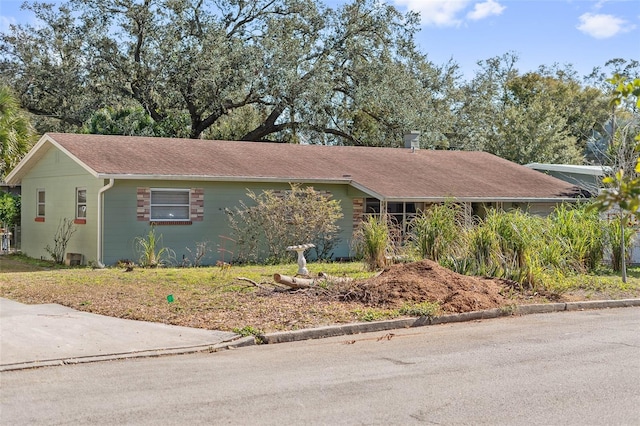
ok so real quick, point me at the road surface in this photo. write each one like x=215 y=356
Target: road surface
x=566 y=368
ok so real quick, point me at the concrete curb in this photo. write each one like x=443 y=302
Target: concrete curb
x=368 y=327
x=214 y=347
x=335 y=330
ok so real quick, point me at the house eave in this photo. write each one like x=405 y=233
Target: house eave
x=15 y=176
x=210 y=178
x=510 y=199
x=339 y=181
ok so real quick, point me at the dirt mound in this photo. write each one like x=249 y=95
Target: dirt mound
x=427 y=281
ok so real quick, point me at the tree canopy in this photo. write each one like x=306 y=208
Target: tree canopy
x=292 y=71
x=297 y=69
x=16 y=133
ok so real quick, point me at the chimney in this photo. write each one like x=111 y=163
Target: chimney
x=412 y=140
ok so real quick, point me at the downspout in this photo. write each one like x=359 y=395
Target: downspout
x=101 y=191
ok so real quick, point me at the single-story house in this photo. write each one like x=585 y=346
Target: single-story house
x=115 y=187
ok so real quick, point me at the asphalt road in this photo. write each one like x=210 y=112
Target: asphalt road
x=566 y=368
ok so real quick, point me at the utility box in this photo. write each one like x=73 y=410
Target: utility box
x=73 y=259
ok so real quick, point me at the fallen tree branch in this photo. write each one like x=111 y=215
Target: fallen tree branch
x=295 y=282
x=253 y=283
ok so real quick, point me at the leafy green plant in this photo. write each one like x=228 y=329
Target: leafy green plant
x=9 y=209
x=248 y=330
x=371 y=314
x=152 y=253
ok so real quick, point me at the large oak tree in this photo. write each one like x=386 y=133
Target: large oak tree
x=285 y=70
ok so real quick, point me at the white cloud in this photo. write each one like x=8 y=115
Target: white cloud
x=5 y=22
x=486 y=9
x=441 y=13
x=603 y=26
x=449 y=13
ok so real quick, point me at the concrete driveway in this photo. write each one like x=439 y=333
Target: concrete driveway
x=41 y=335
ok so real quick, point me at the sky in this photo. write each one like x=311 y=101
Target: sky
x=583 y=33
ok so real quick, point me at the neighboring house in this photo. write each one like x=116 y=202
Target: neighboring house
x=586 y=177
x=115 y=187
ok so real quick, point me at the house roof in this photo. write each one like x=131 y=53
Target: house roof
x=386 y=173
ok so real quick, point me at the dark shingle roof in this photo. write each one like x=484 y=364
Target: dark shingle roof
x=389 y=172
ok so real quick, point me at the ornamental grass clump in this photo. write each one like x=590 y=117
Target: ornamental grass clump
x=434 y=233
x=373 y=241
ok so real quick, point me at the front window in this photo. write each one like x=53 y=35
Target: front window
x=81 y=203
x=169 y=204
x=401 y=213
x=40 y=203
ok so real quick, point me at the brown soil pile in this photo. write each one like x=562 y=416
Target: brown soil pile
x=411 y=283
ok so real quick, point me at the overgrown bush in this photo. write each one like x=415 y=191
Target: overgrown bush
x=583 y=232
x=264 y=230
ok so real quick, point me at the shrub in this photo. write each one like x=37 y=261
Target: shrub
x=9 y=209
x=264 y=230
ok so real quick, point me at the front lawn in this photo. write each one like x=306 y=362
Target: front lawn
x=214 y=297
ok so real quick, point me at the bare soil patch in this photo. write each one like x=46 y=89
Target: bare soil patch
x=427 y=281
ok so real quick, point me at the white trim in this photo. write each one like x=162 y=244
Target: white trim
x=78 y=189
x=572 y=168
x=38 y=203
x=100 y=221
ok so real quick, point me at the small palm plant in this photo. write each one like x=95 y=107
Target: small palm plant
x=152 y=254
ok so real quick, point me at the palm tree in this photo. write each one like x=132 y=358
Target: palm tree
x=16 y=132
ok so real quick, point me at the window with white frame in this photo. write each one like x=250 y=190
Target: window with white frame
x=169 y=204
x=40 y=197
x=81 y=203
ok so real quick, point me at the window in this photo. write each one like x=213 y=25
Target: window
x=81 y=203
x=401 y=213
x=40 y=203
x=169 y=205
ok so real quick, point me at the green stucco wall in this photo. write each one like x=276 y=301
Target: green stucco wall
x=122 y=227
x=59 y=176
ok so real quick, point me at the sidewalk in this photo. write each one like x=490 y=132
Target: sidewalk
x=43 y=335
